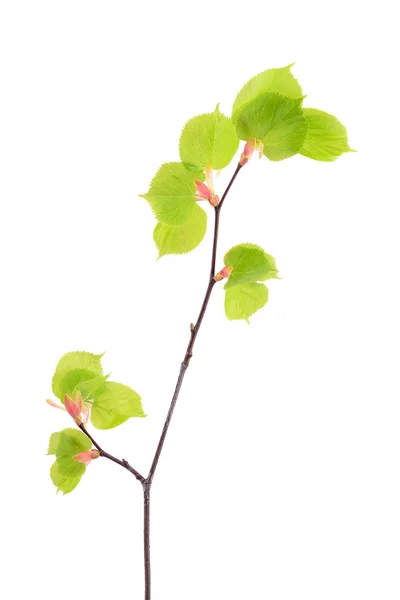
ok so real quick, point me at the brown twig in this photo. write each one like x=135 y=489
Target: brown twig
x=124 y=463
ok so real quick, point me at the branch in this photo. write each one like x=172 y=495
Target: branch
x=124 y=463
x=194 y=330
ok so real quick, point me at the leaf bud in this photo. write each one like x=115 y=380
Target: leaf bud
x=202 y=191
x=55 y=404
x=223 y=273
x=73 y=405
x=252 y=145
x=86 y=457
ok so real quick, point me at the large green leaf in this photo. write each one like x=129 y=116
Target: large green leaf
x=244 y=300
x=208 y=140
x=63 y=484
x=250 y=263
x=183 y=239
x=172 y=194
x=72 y=369
x=326 y=137
x=277 y=121
x=280 y=81
x=115 y=405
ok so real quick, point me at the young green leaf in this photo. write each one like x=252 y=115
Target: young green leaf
x=91 y=387
x=183 y=239
x=66 y=473
x=244 y=295
x=244 y=300
x=277 y=121
x=69 y=467
x=208 y=140
x=63 y=484
x=71 y=442
x=172 y=194
x=326 y=137
x=72 y=369
x=280 y=81
x=250 y=263
x=53 y=442
x=115 y=405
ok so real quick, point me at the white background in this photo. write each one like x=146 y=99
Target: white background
x=280 y=476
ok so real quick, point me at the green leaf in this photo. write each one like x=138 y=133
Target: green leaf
x=208 y=140
x=115 y=405
x=326 y=138
x=71 y=442
x=91 y=387
x=72 y=369
x=183 y=239
x=53 y=442
x=244 y=296
x=280 y=81
x=69 y=467
x=63 y=484
x=276 y=120
x=244 y=300
x=172 y=194
x=250 y=263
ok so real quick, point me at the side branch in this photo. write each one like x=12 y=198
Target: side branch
x=123 y=463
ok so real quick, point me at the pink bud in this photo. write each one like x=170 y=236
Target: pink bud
x=202 y=191
x=259 y=148
x=223 y=273
x=209 y=173
x=86 y=457
x=85 y=412
x=55 y=404
x=250 y=146
x=214 y=200
x=73 y=405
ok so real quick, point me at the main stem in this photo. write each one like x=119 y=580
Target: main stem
x=194 y=330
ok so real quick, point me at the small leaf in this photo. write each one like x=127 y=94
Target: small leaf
x=69 y=467
x=326 y=138
x=244 y=300
x=208 y=140
x=277 y=121
x=171 y=194
x=63 y=484
x=183 y=239
x=71 y=442
x=244 y=296
x=53 y=442
x=115 y=405
x=250 y=263
x=91 y=387
x=72 y=369
x=280 y=81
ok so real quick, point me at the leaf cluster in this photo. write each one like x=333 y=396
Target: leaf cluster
x=269 y=108
x=111 y=404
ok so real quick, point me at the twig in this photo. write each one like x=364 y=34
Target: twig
x=124 y=463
